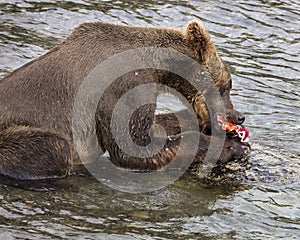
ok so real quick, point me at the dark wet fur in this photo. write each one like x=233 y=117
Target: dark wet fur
x=36 y=101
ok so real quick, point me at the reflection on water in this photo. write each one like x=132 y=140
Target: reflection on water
x=260 y=40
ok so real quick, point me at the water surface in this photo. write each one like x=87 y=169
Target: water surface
x=260 y=41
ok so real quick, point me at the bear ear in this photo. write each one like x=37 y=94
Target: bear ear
x=199 y=41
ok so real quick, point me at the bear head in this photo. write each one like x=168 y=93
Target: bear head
x=205 y=53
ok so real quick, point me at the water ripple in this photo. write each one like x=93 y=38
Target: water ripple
x=260 y=41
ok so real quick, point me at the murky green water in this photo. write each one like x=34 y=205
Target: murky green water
x=260 y=39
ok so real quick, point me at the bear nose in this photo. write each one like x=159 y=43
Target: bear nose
x=240 y=118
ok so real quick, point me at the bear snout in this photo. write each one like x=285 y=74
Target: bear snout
x=235 y=117
x=239 y=118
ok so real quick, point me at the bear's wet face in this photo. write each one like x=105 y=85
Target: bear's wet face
x=232 y=115
x=200 y=104
x=206 y=54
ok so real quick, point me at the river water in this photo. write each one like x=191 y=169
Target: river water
x=260 y=40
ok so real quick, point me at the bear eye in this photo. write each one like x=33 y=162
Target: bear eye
x=226 y=87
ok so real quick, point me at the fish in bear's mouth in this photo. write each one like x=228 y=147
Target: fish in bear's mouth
x=237 y=131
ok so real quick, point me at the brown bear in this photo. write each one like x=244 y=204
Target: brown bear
x=36 y=101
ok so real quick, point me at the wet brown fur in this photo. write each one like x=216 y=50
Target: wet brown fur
x=36 y=100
